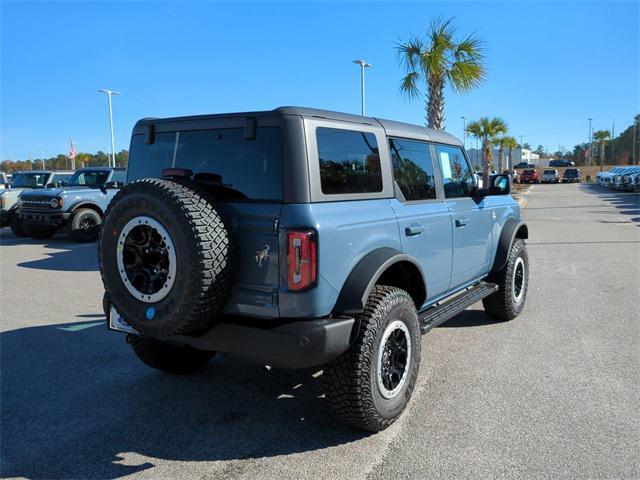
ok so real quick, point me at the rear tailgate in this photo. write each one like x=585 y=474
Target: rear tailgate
x=254 y=232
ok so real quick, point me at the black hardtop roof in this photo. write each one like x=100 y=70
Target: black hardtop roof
x=393 y=128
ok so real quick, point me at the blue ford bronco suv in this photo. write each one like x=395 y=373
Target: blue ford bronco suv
x=20 y=182
x=79 y=205
x=299 y=237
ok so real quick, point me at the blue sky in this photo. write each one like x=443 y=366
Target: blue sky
x=550 y=65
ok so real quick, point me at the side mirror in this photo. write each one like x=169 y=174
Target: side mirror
x=51 y=185
x=500 y=184
x=112 y=184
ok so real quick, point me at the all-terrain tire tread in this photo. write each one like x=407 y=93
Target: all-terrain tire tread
x=501 y=304
x=347 y=388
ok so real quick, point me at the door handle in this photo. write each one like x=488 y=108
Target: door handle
x=461 y=222
x=414 y=229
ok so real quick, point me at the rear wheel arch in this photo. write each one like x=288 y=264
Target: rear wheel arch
x=383 y=266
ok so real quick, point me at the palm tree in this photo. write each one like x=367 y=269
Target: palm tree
x=509 y=143
x=601 y=136
x=498 y=142
x=487 y=131
x=436 y=61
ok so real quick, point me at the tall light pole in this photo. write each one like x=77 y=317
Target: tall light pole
x=43 y=166
x=110 y=93
x=590 y=139
x=363 y=65
x=633 y=145
x=464 y=131
x=613 y=134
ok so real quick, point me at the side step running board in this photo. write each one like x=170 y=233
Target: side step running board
x=441 y=312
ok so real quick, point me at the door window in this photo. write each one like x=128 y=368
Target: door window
x=413 y=169
x=457 y=178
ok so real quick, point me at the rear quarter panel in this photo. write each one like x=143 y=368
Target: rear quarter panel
x=347 y=231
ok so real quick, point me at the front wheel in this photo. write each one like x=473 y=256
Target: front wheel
x=370 y=385
x=512 y=281
x=84 y=225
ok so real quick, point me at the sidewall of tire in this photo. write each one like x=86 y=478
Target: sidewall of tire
x=390 y=408
x=74 y=225
x=519 y=251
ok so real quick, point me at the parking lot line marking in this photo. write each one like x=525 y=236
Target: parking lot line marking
x=82 y=326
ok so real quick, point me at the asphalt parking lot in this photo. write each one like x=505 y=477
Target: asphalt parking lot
x=554 y=393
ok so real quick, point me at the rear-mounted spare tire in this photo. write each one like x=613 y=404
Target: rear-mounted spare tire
x=165 y=258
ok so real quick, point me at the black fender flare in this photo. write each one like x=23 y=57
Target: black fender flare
x=511 y=230
x=85 y=204
x=358 y=285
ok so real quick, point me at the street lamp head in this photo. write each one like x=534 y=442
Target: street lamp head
x=108 y=92
x=362 y=63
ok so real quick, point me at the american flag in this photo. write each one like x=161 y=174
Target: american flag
x=72 y=151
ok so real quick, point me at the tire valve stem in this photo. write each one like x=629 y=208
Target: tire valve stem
x=267 y=368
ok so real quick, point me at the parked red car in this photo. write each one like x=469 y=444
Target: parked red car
x=530 y=176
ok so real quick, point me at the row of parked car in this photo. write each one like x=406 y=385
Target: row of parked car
x=621 y=178
x=39 y=203
x=531 y=175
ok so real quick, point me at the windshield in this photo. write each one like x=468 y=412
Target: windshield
x=550 y=172
x=29 y=180
x=89 y=178
x=571 y=172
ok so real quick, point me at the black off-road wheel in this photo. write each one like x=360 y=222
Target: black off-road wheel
x=169 y=358
x=370 y=385
x=17 y=227
x=165 y=258
x=513 y=282
x=41 y=233
x=84 y=225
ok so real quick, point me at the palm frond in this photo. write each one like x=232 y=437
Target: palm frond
x=410 y=52
x=409 y=85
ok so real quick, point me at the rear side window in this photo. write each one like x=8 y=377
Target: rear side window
x=349 y=161
x=413 y=169
x=243 y=169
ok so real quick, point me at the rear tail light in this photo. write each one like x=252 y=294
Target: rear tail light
x=302 y=267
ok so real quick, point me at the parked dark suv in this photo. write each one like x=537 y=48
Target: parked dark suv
x=571 y=175
x=298 y=237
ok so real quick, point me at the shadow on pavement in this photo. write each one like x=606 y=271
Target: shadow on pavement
x=76 y=403
x=628 y=203
x=470 y=318
x=62 y=254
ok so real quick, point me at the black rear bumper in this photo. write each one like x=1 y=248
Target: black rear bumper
x=298 y=344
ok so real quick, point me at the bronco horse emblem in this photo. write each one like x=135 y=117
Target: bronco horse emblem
x=262 y=255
